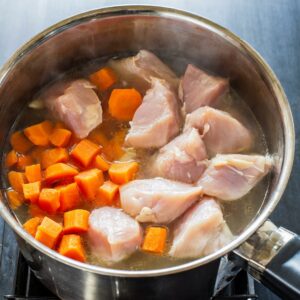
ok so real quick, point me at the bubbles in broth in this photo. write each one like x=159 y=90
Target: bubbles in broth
x=238 y=214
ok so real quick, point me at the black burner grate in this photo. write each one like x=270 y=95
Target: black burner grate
x=27 y=286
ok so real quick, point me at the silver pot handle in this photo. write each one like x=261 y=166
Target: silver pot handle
x=272 y=257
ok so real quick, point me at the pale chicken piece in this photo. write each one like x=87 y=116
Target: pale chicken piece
x=157 y=119
x=232 y=176
x=113 y=234
x=199 y=89
x=76 y=104
x=139 y=70
x=183 y=159
x=200 y=231
x=157 y=200
x=220 y=132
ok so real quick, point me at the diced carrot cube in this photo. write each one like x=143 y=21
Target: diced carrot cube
x=103 y=78
x=85 y=151
x=155 y=239
x=76 y=221
x=89 y=182
x=53 y=156
x=71 y=246
x=107 y=193
x=49 y=200
x=15 y=199
x=123 y=172
x=31 y=191
x=101 y=163
x=33 y=173
x=69 y=196
x=16 y=180
x=32 y=224
x=20 y=143
x=123 y=103
x=48 y=232
x=23 y=161
x=60 y=137
x=11 y=159
x=59 y=171
x=39 y=134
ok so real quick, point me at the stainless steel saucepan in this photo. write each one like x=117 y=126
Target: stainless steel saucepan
x=270 y=254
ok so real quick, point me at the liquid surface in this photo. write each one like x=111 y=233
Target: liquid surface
x=238 y=214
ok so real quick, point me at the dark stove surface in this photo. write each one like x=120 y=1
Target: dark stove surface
x=271 y=27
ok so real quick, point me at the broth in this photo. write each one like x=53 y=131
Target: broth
x=238 y=214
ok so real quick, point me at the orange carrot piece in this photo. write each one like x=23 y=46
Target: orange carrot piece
x=48 y=232
x=104 y=78
x=36 y=154
x=53 y=156
x=69 y=196
x=11 y=159
x=60 y=137
x=71 y=246
x=16 y=180
x=101 y=163
x=76 y=221
x=32 y=224
x=155 y=239
x=23 y=161
x=106 y=193
x=89 y=182
x=85 y=151
x=123 y=172
x=39 y=134
x=123 y=103
x=31 y=191
x=33 y=173
x=35 y=211
x=20 y=143
x=59 y=171
x=15 y=199
x=49 y=200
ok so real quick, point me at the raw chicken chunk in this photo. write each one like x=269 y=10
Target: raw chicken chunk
x=113 y=234
x=138 y=70
x=183 y=159
x=230 y=177
x=157 y=200
x=157 y=120
x=201 y=89
x=200 y=231
x=221 y=132
x=76 y=104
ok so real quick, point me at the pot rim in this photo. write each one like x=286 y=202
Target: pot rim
x=146 y=10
